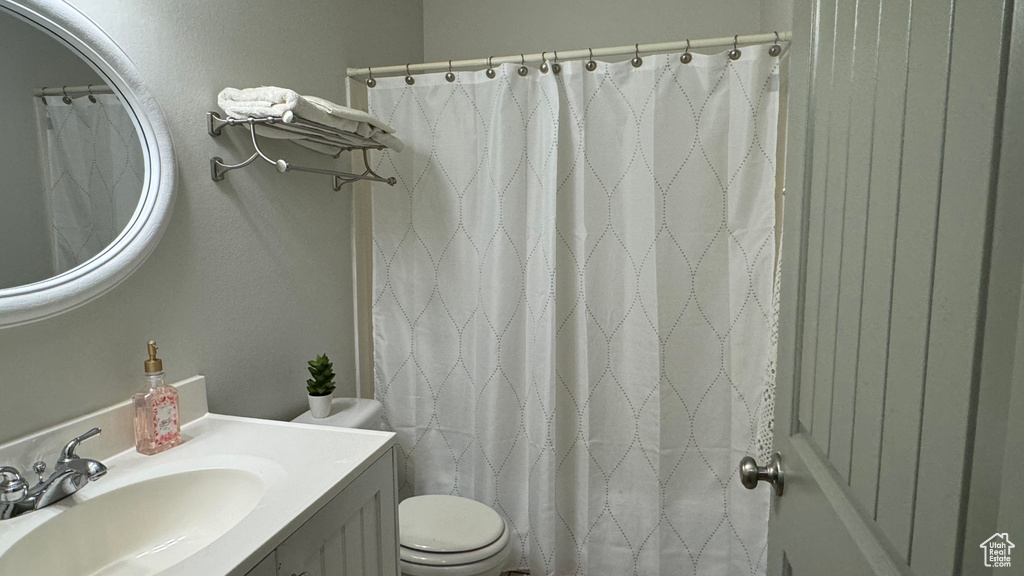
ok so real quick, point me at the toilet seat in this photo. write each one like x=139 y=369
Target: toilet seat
x=415 y=556
x=450 y=535
x=439 y=523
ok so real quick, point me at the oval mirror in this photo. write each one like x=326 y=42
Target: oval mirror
x=86 y=166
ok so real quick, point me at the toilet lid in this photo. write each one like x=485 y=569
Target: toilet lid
x=439 y=523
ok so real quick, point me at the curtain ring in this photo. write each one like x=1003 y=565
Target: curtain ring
x=523 y=70
x=490 y=67
x=555 y=66
x=637 y=61
x=686 y=58
x=450 y=76
x=43 y=96
x=66 y=99
x=544 y=62
x=370 y=82
x=775 y=49
x=591 y=65
x=734 y=54
x=408 y=76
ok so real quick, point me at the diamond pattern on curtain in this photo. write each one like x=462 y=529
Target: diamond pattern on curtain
x=572 y=305
x=94 y=170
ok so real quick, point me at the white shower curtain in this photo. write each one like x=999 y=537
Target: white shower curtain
x=94 y=171
x=572 y=305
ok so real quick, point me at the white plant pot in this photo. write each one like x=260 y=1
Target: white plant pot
x=320 y=406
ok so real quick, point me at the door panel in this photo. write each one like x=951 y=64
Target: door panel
x=834 y=166
x=895 y=112
x=959 y=278
x=886 y=147
x=859 y=139
x=817 y=125
x=920 y=172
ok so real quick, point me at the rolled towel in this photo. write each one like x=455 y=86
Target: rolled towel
x=273 y=101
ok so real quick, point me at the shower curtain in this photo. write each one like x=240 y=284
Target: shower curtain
x=93 y=166
x=572 y=305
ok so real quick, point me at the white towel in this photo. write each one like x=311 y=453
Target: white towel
x=274 y=101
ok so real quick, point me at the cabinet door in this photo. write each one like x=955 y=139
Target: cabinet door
x=355 y=534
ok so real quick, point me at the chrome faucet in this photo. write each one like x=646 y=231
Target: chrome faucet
x=69 y=475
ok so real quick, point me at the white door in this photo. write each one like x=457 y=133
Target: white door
x=900 y=289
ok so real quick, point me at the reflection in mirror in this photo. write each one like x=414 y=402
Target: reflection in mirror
x=71 y=164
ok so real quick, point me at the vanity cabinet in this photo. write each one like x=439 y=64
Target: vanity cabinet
x=355 y=534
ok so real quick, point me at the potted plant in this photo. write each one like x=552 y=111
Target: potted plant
x=321 y=386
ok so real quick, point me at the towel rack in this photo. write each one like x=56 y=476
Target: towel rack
x=297 y=128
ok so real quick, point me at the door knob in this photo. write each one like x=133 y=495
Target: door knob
x=751 y=473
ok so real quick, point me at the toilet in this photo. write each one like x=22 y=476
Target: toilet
x=438 y=535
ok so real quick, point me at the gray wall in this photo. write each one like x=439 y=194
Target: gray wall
x=37 y=61
x=253 y=275
x=479 y=28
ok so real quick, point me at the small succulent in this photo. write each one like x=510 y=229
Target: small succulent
x=322 y=381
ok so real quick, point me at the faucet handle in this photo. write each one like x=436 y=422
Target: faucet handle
x=13 y=487
x=68 y=453
x=39 y=468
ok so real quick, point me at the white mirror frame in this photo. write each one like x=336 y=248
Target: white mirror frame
x=47 y=298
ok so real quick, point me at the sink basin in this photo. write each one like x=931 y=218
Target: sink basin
x=139 y=529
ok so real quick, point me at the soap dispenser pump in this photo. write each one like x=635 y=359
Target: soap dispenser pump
x=156 y=410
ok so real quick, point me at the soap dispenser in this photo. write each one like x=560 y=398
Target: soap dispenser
x=156 y=410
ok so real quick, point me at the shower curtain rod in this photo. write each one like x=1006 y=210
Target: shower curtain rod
x=72 y=91
x=562 y=56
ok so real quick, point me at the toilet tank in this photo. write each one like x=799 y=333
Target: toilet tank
x=363 y=413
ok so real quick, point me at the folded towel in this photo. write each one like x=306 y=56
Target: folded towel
x=346 y=113
x=274 y=101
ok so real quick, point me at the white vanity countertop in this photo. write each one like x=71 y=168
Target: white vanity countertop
x=302 y=467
